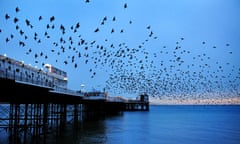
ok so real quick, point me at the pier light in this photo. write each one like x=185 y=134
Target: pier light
x=5 y=55
x=47 y=65
x=82 y=87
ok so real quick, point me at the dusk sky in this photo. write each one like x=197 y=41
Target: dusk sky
x=162 y=47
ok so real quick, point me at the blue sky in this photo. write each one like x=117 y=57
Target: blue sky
x=180 y=47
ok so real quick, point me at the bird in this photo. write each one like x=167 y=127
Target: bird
x=47 y=26
x=21 y=32
x=7 y=39
x=40 y=18
x=21 y=43
x=112 y=31
x=27 y=22
x=125 y=5
x=96 y=30
x=17 y=9
x=7 y=16
x=15 y=20
x=77 y=25
x=52 y=18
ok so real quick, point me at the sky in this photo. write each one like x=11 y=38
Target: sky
x=168 y=48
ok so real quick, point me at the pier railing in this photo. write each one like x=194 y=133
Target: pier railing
x=67 y=91
x=13 y=75
x=22 y=78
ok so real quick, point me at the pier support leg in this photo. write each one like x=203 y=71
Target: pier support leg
x=25 y=123
x=14 y=114
x=75 y=115
x=45 y=121
x=63 y=116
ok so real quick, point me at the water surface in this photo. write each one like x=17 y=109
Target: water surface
x=172 y=124
x=165 y=124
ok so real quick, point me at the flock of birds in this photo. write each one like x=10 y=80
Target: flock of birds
x=166 y=72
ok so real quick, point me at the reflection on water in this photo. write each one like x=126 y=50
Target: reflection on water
x=91 y=131
x=85 y=132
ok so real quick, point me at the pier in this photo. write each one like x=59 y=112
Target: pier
x=34 y=102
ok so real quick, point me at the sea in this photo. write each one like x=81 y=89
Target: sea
x=162 y=124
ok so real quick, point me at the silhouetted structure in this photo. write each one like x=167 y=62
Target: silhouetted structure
x=35 y=101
